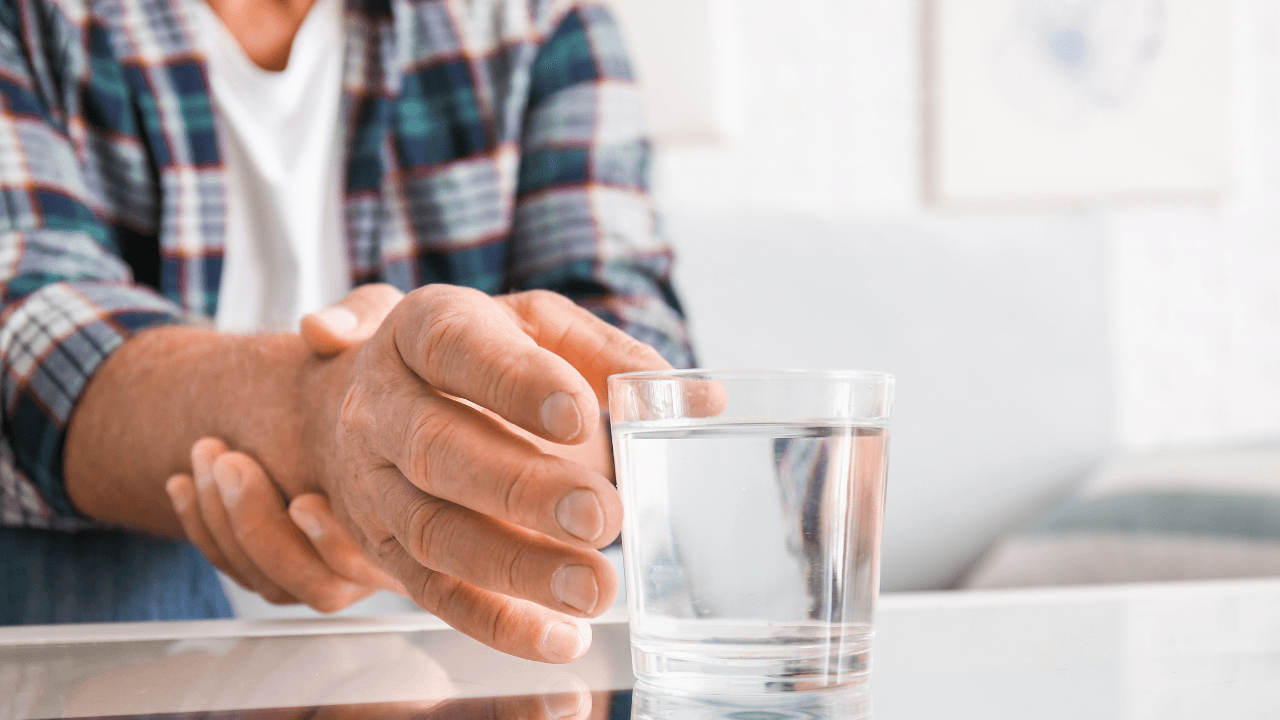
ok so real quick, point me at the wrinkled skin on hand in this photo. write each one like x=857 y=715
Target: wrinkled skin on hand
x=230 y=509
x=478 y=524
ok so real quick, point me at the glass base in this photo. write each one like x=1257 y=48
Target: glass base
x=741 y=674
x=850 y=703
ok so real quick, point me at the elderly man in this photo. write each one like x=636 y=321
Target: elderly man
x=251 y=161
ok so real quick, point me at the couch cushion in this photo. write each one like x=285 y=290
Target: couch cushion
x=1166 y=516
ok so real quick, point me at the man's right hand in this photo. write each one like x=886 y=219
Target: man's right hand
x=481 y=527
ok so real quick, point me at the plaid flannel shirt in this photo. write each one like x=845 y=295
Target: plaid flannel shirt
x=490 y=143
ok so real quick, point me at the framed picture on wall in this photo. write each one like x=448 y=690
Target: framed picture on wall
x=1077 y=102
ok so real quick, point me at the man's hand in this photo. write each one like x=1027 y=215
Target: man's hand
x=232 y=512
x=246 y=531
x=481 y=527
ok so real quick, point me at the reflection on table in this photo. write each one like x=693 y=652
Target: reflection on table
x=414 y=670
x=571 y=704
x=1155 y=652
x=651 y=703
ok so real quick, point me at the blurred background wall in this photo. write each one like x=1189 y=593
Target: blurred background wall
x=1030 y=341
x=795 y=153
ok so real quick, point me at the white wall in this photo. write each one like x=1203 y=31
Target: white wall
x=827 y=117
x=824 y=167
x=1198 y=288
x=828 y=123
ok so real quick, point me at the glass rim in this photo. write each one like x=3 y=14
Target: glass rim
x=755 y=374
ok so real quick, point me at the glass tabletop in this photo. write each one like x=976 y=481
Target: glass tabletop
x=1157 y=651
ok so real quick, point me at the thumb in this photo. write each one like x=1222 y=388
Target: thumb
x=352 y=320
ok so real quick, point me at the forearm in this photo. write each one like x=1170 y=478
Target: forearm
x=167 y=387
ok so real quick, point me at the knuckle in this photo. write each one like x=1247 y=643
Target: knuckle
x=386 y=547
x=501 y=621
x=518 y=494
x=554 y=298
x=527 y=305
x=353 y=413
x=542 y=298
x=363 y=422
x=379 y=291
x=444 y=339
x=442 y=292
x=440 y=594
x=516 y=567
x=497 y=621
x=432 y=437
x=509 y=378
x=429 y=528
x=547 y=306
x=427 y=295
x=443 y=300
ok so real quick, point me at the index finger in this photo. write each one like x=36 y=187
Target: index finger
x=592 y=346
x=515 y=355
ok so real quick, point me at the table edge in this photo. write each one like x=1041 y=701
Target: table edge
x=902 y=602
x=89 y=633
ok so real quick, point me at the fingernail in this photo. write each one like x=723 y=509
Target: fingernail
x=179 y=501
x=202 y=479
x=563 y=700
x=338 y=318
x=580 y=515
x=560 y=416
x=563 y=640
x=309 y=525
x=228 y=481
x=575 y=586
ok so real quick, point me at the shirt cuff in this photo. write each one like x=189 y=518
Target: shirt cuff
x=51 y=343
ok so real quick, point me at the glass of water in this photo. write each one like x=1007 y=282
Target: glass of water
x=753 y=504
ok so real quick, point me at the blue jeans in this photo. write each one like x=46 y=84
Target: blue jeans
x=103 y=576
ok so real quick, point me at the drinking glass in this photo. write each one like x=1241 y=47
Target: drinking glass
x=753 y=502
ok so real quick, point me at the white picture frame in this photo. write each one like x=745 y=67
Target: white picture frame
x=1077 y=102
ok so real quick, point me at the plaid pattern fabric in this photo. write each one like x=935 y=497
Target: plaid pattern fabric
x=491 y=143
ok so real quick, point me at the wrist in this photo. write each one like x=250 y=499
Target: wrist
x=322 y=387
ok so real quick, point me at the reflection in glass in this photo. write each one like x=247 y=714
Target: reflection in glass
x=649 y=703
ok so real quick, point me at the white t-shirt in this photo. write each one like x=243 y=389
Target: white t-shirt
x=281 y=141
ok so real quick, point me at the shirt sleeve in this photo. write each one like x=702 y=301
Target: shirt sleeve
x=67 y=299
x=584 y=224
